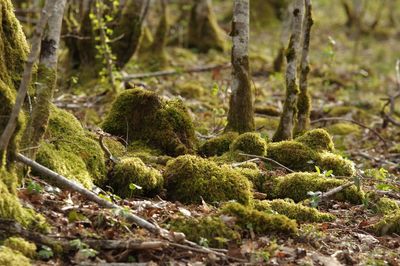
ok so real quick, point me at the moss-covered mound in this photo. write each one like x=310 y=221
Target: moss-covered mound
x=213 y=229
x=344 y=129
x=133 y=171
x=260 y=222
x=250 y=143
x=381 y=205
x=10 y=257
x=68 y=151
x=190 y=90
x=218 y=145
x=188 y=178
x=295 y=211
x=28 y=249
x=252 y=173
x=339 y=165
x=296 y=185
x=389 y=224
x=140 y=115
x=317 y=139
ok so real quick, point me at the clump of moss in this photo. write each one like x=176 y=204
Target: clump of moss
x=68 y=151
x=190 y=90
x=260 y=222
x=134 y=171
x=10 y=257
x=267 y=110
x=218 y=145
x=343 y=129
x=295 y=155
x=148 y=155
x=188 y=178
x=217 y=233
x=254 y=175
x=28 y=249
x=381 y=205
x=295 y=211
x=339 y=165
x=389 y=224
x=140 y=115
x=251 y=143
x=317 y=139
x=296 y=185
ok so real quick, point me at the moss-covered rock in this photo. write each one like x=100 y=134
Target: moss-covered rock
x=381 y=205
x=10 y=257
x=295 y=211
x=188 y=178
x=260 y=222
x=339 y=165
x=389 y=224
x=251 y=143
x=190 y=90
x=69 y=151
x=218 y=145
x=140 y=115
x=217 y=233
x=343 y=129
x=317 y=139
x=28 y=249
x=253 y=174
x=296 y=185
x=133 y=171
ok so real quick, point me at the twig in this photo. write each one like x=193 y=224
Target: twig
x=350 y=121
x=248 y=161
x=267 y=159
x=335 y=190
x=174 y=72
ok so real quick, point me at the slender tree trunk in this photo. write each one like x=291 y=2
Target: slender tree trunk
x=304 y=100
x=286 y=123
x=47 y=78
x=241 y=109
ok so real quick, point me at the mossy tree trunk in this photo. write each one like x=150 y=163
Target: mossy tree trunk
x=286 y=123
x=241 y=109
x=304 y=100
x=204 y=32
x=47 y=78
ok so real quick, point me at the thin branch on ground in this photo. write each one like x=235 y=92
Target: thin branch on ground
x=267 y=159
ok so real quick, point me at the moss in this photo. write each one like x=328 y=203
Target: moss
x=342 y=129
x=295 y=155
x=381 y=205
x=217 y=233
x=295 y=211
x=389 y=224
x=190 y=90
x=395 y=149
x=251 y=143
x=140 y=115
x=69 y=151
x=217 y=145
x=267 y=110
x=133 y=170
x=317 y=139
x=260 y=222
x=267 y=123
x=351 y=112
x=296 y=185
x=28 y=249
x=9 y=257
x=147 y=154
x=254 y=175
x=189 y=178
x=339 y=165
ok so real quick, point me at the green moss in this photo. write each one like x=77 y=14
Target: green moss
x=218 y=145
x=133 y=170
x=296 y=185
x=295 y=155
x=190 y=90
x=251 y=143
x=267 y=123
x=295 y=211
x=188 y=178
x=389 y=224
x=217 y=233
x=254 y=175
x=343 y=129
x=339 y=165
x=260 y=222
x=267 y=110
x=69 y=151
x=381 y=205
x=140 y=115
x=147 y=154
x=317 y=139
x=9 y=257
x=395 y=149
x=28 y=249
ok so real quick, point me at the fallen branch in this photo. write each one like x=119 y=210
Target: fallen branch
x=350 y=121
x=174 y=72
x=267 y=159
x=335 y=190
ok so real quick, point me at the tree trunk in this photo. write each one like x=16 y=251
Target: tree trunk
x=241 y=110
x=286 y=123
x=204 y=32
x=47 y=78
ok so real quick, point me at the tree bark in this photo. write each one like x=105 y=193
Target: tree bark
x=241 y=109
x=286 y=123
